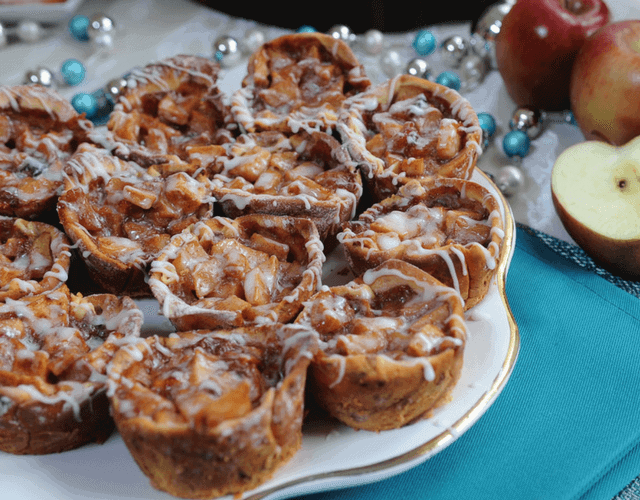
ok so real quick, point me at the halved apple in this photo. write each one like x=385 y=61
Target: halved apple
x=595 y=189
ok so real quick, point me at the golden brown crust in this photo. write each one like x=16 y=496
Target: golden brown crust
x=227 y=273
x=393 y=346
x=39 y=130
x=206 y=414
x=298 y=81
x=450 y=228
x=410 y=128
x=54 y=349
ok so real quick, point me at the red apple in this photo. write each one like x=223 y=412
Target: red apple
x=537 y=44
x=605 y=84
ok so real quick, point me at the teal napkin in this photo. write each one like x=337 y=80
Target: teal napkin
x=567 y=424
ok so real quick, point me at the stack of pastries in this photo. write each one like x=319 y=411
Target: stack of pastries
x=223 y=209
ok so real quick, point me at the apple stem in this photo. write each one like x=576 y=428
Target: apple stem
x=574 y=6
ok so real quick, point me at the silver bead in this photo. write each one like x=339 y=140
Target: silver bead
x=373 y=42
x=252 y=41
x=3 y=36
x=101 y=31
x=473 y=69
x=488 y=27
x=226 y=51
x=419 y=67
x=453 y=50
x=527 y=119
x=391 y=62
x=41 y=76
x=114 y=88
x=342 y=32
x=509 y=180
x=28 y=31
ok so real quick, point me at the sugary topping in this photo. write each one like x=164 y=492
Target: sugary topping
x=54 y=347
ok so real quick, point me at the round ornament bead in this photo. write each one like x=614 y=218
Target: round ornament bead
x=488 y=126
x=79 y=27
x=3 y=36
x=453 y=50
x=527 y=119
x=486 y=29
x=373 y=41
x=473 y=69
x=516 y=143
x=509 y=180
x=85 y=103
x=72 y=71
x=449 y=79
x=305 y=28
x=101 y=31
x=424 y=43
x=114 y=88
x=342 y=32
x=41 y=76
x=28 y=31
x=391 y=62
x=419 y=67
x=252 y=41
x=226 y=51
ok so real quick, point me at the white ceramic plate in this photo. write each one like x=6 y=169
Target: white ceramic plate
x=332 y=455
x=41 y=12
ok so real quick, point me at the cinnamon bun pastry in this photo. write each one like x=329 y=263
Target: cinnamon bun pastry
x=210 y=413
x=298 y=81
x=54 y=350
x=410 y=128
x=39 y=130
x=391 y=348
x=223 y=273
x=451 y=228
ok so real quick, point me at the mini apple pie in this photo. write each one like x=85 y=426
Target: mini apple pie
x=225 y=273
x=54 y=350
x=121 y=215
x=391 y=346
x=298 y=81
x=34 y=258
x=411 y=128
x=211 y=413
x=450 y=228
x=301 y=175
x=168 y=107
x=39 y=129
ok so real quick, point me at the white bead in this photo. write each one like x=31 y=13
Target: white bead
x=226 y=51
x=391 y=62
x=101 y=31
x=342 y=32
x=419 y=67
x=253 y=39
x=473 y=70
x=510 y=180
x=29 y=31
x=373 y=42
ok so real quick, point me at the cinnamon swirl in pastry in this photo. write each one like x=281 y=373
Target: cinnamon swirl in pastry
x=167 y=108
x=451 y=228
x=392 y=345
x=121 y=215
x=410 y=128
x=39 y=130
x=223 y=273
x=54 y=349
x=298 y=81
x=211 y=413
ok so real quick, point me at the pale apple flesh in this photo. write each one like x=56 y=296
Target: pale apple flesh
x=596 y=192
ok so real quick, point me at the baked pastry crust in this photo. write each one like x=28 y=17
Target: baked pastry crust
x=121 y=215
x=300 y=175
x=54 y=349
x=451 y=228
x=210 y=413
x=167 y=108
x=34 y=258
x=298 y=81
x=228 y=273
x=391 y=349
x=39 y=130
x=410 y=128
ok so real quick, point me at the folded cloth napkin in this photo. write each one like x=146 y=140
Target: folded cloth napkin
x=567 y=424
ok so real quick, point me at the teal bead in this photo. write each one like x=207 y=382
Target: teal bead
x=449 y=79
x=85 y=103
x=424 y=43
x=306 y=29
x=79 y=27
x=516 y=143
x=72 y=71
x=488 y=123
